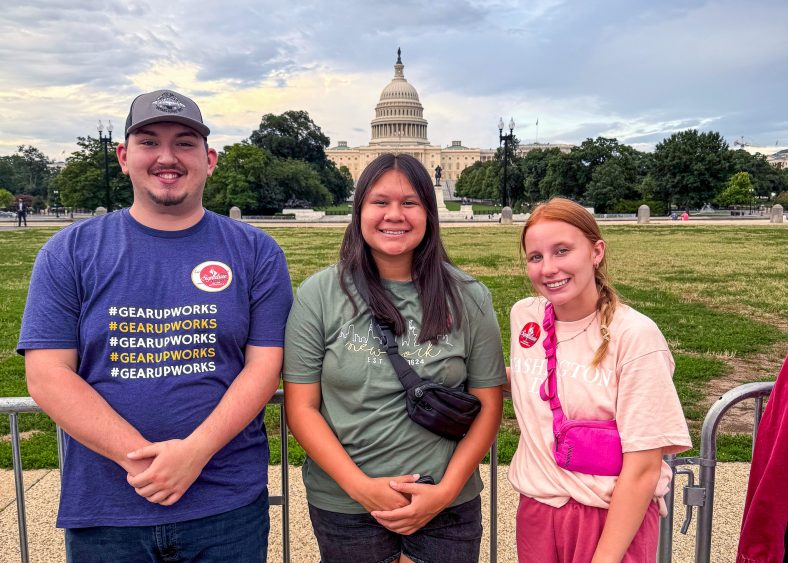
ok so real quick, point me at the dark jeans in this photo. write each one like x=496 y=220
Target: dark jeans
x=237 y=536
x=453 y=535
x=19 y=218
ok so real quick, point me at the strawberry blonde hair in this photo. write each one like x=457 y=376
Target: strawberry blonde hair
x=567 y=211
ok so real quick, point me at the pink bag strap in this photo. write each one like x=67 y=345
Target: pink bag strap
x=548 y=391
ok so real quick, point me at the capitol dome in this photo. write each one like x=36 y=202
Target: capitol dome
x=399 y=114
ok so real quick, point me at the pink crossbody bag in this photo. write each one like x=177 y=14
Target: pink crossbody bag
x=585 y=446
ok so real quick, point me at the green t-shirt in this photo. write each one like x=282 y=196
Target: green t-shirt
x=363 y=400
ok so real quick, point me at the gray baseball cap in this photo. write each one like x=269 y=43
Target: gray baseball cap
x=164 y=105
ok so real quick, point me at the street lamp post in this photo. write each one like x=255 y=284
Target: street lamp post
x=105 y=141
x=57 y=202
x=507 y=140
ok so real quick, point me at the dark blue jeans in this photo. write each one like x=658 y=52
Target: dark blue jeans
x=454 y=535
x=239 y=536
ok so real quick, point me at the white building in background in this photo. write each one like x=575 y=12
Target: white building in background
x=399 y=126
x=778 y=159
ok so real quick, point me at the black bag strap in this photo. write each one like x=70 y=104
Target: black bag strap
x=407 y=376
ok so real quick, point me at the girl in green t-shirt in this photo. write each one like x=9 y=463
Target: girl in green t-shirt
x=345 y=404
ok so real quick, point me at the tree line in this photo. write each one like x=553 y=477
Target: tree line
x=686 y=170
x=284 y=160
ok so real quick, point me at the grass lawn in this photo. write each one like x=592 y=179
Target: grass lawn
x=718 y=293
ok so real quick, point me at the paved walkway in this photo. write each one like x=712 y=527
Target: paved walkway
x=46 y=542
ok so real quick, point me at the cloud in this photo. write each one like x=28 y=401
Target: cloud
x=634 y=70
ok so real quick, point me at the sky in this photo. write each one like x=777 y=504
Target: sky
x=630 y=69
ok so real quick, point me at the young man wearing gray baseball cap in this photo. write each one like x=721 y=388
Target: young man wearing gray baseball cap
x=167 y=346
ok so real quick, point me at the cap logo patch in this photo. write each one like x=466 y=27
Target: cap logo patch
x=169 y=103
x=212 y=276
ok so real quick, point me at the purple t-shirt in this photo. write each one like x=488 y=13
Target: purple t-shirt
x=160 y=320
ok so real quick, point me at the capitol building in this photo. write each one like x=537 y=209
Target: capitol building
x=399 y=126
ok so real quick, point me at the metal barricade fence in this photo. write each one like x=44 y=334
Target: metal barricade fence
x=13 y=406
x=702 y=494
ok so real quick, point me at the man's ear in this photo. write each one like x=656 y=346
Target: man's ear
x=121 y=153
x=213 y=158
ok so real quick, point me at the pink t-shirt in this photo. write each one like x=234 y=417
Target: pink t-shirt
x=633 y=384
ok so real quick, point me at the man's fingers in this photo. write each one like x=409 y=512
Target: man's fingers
x=158 y=497
x=138 y=481
x=143 y=452
x=170 y=500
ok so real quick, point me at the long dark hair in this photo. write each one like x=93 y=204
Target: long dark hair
x=436 y=285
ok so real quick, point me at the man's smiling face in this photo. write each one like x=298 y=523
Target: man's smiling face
x=168 y=164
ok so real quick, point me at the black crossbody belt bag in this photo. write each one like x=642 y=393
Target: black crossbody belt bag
x=445 y=411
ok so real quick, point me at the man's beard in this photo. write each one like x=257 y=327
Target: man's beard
x=168 y=200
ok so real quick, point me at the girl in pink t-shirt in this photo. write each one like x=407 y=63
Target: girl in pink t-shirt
x=612 y=363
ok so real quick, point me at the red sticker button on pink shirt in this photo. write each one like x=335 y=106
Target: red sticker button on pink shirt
x=529 y=335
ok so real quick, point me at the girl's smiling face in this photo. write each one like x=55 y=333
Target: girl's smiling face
x=393 y=224
x=560 y=264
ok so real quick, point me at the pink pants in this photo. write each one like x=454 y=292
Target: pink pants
x=570 y=534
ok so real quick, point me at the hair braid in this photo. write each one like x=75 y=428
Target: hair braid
x=606 y=307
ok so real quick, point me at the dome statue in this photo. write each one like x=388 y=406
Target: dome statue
x=399 y=114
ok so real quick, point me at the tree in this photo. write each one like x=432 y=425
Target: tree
x=533 y=167
x=28 y=171
x=562 y=177
x=766 y=179
x=298 y=180
x=469 y=184
x=239 y=179
x=292 y=134
x=6 y=198
x=614 y=180
x=81 y=182
x=259 y=183
x=739 y=191
x=690 y=168
x=338 y=181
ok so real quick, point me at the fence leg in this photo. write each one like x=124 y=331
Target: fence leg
x=757 y=421
x=665 y=546
x=494 y=502
x=16 y=455
x=61 y=449
x=285 y=486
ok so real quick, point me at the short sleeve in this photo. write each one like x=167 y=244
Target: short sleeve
x=484 y=364
x=270 y=300
x=649 y=413
x=305 y=345
x=51 y=317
